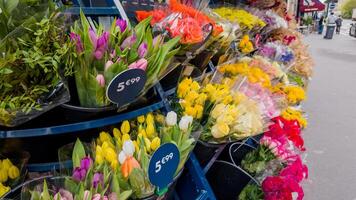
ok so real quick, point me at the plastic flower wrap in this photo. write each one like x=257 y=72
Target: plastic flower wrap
x=245 y=45
x=100 y=55
x=291 y=113
x=272 y=68
x=277 y=52
x=246 y=20
x=233 y=118
x=294 y=94
x=32 y=60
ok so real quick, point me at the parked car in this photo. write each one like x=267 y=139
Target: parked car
x=353 y=30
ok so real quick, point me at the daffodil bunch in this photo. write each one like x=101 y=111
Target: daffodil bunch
x=179 y=133
x=294 y=114
x=246 y=20
x=245 y=45
x=8 y=171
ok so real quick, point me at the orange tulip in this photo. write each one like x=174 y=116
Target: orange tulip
x=129 y=164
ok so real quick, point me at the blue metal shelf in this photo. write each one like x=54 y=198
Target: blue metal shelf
x=69 y=128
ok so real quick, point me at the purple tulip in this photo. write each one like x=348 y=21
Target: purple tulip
x=79 y=174
x=64 y=195
x=140 y=64
x=158 y=40
x=122 y=24
x=78 y=42
x=101 y=80
x=142 y=50
x=86 y=162
x=98 y=179
x=128 y=42
x=100 y=44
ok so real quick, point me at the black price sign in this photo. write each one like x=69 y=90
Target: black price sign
x=126 y=86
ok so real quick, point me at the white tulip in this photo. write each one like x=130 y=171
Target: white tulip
x=128 y=148
x=122 y=157
x=171 y=118
x=185 y=122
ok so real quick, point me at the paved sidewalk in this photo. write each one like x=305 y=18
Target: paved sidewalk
x=331 y=107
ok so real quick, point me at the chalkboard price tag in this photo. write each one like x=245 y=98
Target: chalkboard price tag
x=163 y=165
x=126 y=86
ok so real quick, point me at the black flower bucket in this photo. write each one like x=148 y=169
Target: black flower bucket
x=238 y=150
x=227 y=180
x=206 y=151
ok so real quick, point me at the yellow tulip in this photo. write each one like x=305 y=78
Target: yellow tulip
x=150 y=131
x=110 y=154
x=114 y=164
x=160 y=118
x=3 y=175
x=99 y=158
x=220 y=130
x=141 y=119
x=147 y=145
x=6 y=164
x=13 y=172
x=3 y=189
x=104 y=136
x=137 y=149
x=125 y=127
x=117 y=133
x=143 y=132
x=156 y=142
x=220 y=108
x=125 y=137
x=150 y=119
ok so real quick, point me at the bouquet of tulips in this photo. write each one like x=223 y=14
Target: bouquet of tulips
x=100 y=55
x=116 y=166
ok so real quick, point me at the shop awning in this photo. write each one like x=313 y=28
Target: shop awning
x=311 y=5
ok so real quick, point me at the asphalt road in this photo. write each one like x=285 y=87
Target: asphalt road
x=331 y=107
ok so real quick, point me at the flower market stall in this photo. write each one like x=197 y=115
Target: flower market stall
x=184 y=99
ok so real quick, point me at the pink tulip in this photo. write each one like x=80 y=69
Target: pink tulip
x=122 y=24
x=140 y=64
x=142 y=50
x=113 y=196
x=129 y=41
x=86 y=195
x=64 y=195
x=101 y=80
x=96 y=197
x=108 y=64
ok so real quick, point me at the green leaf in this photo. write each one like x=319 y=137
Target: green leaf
x=9 y=5
x=78 y=153
x=5 y=71
x=45 y=194
x=137 y=181
x=125 y=195
x=115 y=184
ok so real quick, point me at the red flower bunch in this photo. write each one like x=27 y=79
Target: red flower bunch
x=157 y=15
x=289 y=128
x=181 y=20
x=284 y=186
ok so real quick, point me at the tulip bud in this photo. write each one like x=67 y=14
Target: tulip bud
x=158 y=40
x=185 y=122
x=140 y=64
x=150 y=130
x=101 y=80
x=108 y=64
x=156 y=142
x=220 y=130
x=171 y=118
x=86 y=195
x=142 y=50
x=125 y=127
x=122 y=157
x=128 y=42
x=129 y=148
x=150 y=119
x=141 y=119
x=122 y=24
